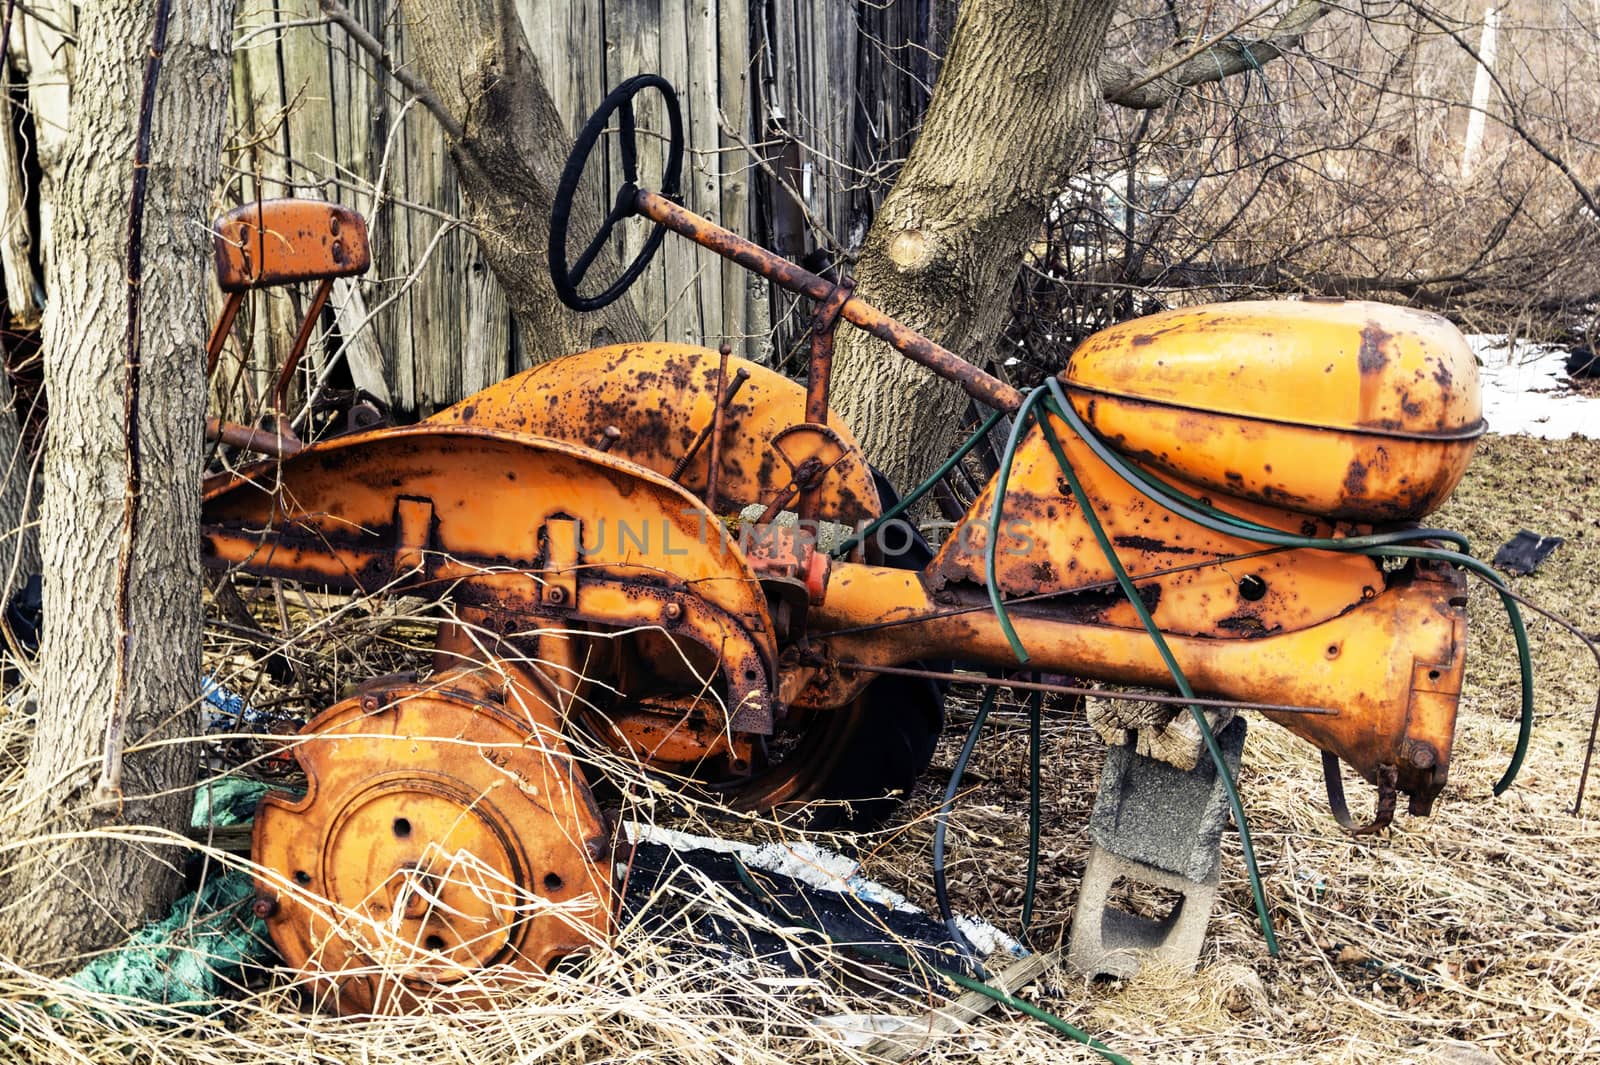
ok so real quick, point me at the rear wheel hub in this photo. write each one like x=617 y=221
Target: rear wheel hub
x=446 y=846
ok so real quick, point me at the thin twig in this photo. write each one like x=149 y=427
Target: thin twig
x=812 y=220
x=1289 y=29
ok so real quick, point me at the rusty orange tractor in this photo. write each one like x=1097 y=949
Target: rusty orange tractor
x=1201 y=504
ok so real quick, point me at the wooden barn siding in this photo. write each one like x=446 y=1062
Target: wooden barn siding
x=314 y=115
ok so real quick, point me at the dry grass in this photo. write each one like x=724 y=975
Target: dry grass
x=1474 y=935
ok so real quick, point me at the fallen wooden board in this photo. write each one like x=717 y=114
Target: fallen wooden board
x=950 y=1019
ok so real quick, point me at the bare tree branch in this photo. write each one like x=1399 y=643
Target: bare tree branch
x=1512 y=119
x=340 y=15
x=1221 y=56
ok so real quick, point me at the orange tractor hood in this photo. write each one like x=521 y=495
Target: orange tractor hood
x=1344 y=409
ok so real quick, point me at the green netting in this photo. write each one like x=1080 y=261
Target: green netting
x=195 y=958
x=227 y=801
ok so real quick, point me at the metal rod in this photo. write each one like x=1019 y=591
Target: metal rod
x=219 y=335
x=983 y=387
x=280 y=393
x=1593 y=645
x=740 y=376
x=262 y=442
x=1098 y=693
x=819 y=370
x=714 y=460
x=819 y=374
x=782 y=500
x=1040 y=597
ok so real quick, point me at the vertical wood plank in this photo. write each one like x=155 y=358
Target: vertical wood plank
x=268 y=316
x=702 y=167
x=307 y=89
x=634 y=46
x=744 y=315
x=436 y=296
x=569 y=40
x=359 y=117
x=395 y=224
x=679 y=258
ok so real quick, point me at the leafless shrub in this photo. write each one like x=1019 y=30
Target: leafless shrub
x=1340 y=170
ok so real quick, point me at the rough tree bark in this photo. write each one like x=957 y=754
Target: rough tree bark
x=19 y=545
x=71 y=885
x=509 y=143
x=1009 y=122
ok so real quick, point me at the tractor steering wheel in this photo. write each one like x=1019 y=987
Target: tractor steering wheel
x=619 y=102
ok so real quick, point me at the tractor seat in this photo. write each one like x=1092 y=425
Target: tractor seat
x=279 y=242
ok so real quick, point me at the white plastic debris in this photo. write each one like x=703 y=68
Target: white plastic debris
x=822 y=868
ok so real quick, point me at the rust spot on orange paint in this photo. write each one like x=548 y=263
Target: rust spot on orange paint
x=1372 y=357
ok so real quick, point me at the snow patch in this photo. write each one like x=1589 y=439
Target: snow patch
x=1526 y=390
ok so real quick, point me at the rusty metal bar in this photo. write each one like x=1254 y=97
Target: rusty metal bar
x=1097 y=693
x=819 y=370
x=714 y=460
x=262 y=442
x=808 y=472
x=819 y=373
x=219 y=335
x=981 y=386
x=280 y=392
x=740 y=376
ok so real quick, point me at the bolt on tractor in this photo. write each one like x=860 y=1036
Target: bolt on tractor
x=1216 y=505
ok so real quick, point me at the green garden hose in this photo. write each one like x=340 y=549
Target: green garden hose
x=1393 y=544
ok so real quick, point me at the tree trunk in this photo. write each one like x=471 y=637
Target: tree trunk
x=19 y=544
x=509 y=144
x=1009 y=122
x=85 y=889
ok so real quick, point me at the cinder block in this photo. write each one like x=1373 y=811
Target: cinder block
x=1163 y=816
x=1157 y=825
x=1108 y=941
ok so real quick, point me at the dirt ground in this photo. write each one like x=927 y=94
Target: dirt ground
x=1471 y=936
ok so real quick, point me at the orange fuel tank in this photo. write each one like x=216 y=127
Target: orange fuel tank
x=1344 y=409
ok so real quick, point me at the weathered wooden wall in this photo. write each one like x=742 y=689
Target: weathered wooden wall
x=822 y=90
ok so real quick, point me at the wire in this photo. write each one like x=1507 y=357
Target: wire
x=1224 y=773
x=1393 y=544
x=1216 y=520
x=1013 y=440
x=1519 y=632
x=922 y=489
x=992 y=540
x=941 y=887
x=1035 y=741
